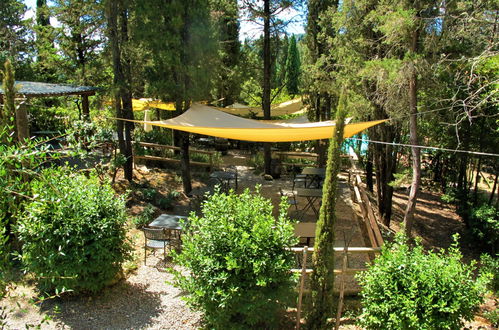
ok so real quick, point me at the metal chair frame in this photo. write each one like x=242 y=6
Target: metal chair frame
x=159 y=238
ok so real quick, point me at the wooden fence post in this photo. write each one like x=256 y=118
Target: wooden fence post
x=302 y=284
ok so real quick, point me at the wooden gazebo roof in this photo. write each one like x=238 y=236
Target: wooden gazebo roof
x=40 y=89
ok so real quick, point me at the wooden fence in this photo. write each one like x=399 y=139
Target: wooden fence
x=208 y=164
x=283 y=155
x=304 y=271
x=371 y=221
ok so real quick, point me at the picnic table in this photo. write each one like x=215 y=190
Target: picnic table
x=169 y=221
x=314 y=176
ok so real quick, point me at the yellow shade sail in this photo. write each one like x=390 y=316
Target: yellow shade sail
x=290 y=107
x=143 y=104
x=202 y=119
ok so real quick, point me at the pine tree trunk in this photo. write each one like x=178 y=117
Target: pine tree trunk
x=123 y=102
x=491 y=198
x=126 y=95
x=413 y=137
x=185 y=162
x=22 y=123
x=267 y=154
x=384 y=159
x=477 y=179
x=369 y=170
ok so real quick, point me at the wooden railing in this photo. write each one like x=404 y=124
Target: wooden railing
x=372 y=224
x=208 y=164
x=304 y=271
x=283 y=155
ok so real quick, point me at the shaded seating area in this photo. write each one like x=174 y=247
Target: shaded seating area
x=165 y=232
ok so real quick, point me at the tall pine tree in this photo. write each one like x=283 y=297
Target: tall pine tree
x=293 y=68
x=228 y=84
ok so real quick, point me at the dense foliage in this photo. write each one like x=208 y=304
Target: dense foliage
x=238 y=266
x=484 y=224
x=408 y=288
x=73 y=232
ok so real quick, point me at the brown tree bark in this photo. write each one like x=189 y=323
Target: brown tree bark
x=122 y=95
x=477 y=179
x=22 y=124
x=185 y=165
x=267 y=153
x=369 y=170
x=491 y=197
x=413 y=138
x=85 y=107
x=385 y=164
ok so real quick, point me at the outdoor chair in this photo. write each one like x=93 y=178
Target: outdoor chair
x=159 y=238
x=299 y=179
x=291 y=198
x=233 y=169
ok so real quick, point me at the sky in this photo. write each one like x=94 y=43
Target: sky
x=248 y=30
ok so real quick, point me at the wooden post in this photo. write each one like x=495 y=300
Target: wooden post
x=302 y=284
x=342 y=287
x=85 y=107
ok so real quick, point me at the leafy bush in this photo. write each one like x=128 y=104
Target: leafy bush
x=145 y=217
x=407 y=288
x=239 y=268
x=493 y=317
x=149 y=194
x=484 y=224
x=167 y=202
x=490 y=265
x=257 y=162
x=157 y=135
x=73 y=232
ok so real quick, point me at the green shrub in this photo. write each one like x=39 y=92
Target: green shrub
x=149 y=194
x=407 y=288
x=239 y=268
x=490 y=265
x=257 y=162
x=73 y=232
x=145 y=217
x=484 y=224
x=493 y=317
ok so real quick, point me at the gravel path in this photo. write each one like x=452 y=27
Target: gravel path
x=143 y=301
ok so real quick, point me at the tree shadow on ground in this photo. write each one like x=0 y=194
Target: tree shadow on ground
x=124 y=305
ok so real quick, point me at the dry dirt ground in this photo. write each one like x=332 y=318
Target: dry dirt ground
x=146 y=299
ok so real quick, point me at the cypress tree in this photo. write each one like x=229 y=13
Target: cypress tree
x=292 y=68
x=322 y=279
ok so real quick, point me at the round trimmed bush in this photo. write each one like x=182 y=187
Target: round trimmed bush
x=73 y=232
x=238 y=266
x=407 y=288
